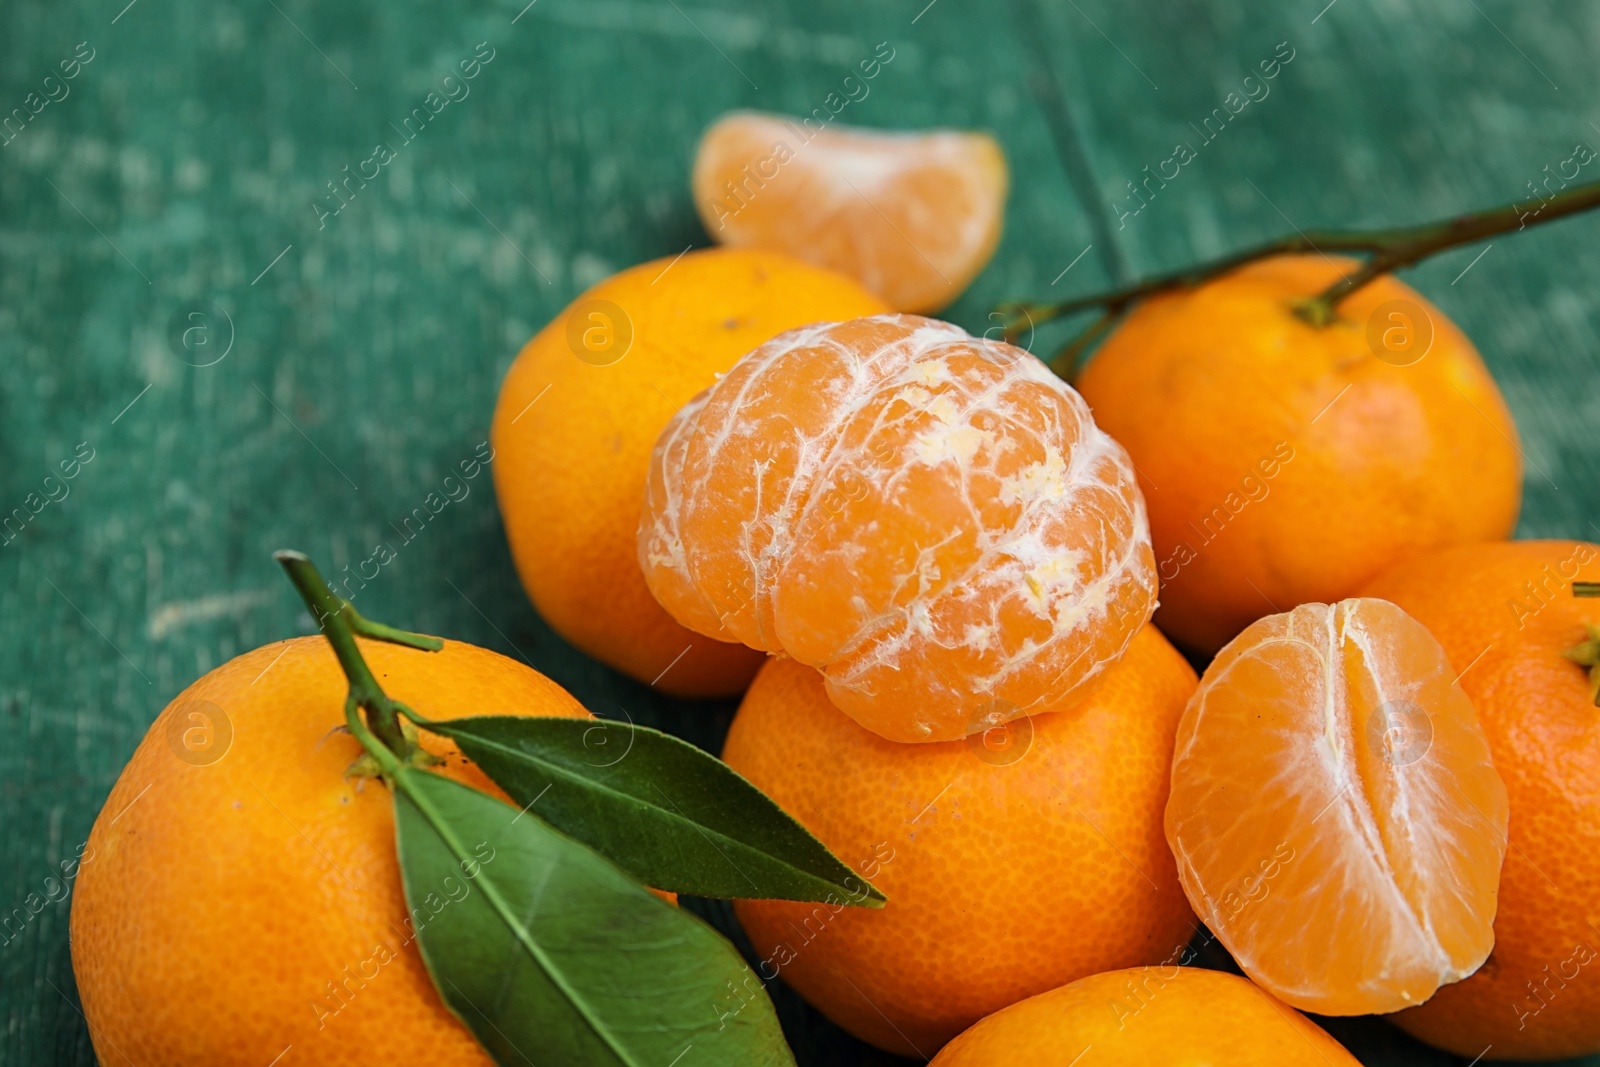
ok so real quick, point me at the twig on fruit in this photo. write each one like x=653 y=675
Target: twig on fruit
x=1387 y=251
x=388 y=741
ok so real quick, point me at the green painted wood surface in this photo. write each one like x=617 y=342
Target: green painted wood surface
x=180 y=175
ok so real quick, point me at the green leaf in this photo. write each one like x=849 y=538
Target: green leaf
x=552 y=955
x=658 y=807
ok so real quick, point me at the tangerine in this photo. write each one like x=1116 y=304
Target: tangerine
x=233 y=834
x=1505 y=614
x=932 y=519
x=578 y=414
x=1335 y=814
x=1288 y=464
x=1014 y=860
x=913 y=216
x=1148 y=1017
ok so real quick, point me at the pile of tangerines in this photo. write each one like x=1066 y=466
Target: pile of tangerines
x=962 y=600
x=939 y=564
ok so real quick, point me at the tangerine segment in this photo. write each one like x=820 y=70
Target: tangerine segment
x=931 y=519
x=1147 y=1016
x=913 y=216
x=1335 y=814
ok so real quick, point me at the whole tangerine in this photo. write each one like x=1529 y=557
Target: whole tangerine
x=1014 y=860
x=240 y=895
x=1285 y=463
x=1505 y=615
x=1148 y=1017
x=578 y=414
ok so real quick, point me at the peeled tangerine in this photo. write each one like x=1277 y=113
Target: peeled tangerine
x=912 y=216
x=1334 y=812
x=932 y=519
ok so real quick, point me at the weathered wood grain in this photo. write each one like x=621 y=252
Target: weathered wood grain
x=181 y=175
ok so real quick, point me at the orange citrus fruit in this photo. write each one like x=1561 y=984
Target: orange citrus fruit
x=1505 y=614
x=1285 y=464
x=578 y=415
x=913 y=216
x=1013 y=861
x=932 y=519
x=1335 y=814
x=1148 y=1017
x=239 y=896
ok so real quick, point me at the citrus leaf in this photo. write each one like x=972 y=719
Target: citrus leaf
x=551 y=954
x=677 y=818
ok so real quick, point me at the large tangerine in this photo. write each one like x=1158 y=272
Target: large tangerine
x=569 y=467
x=235 y=901
x=1012 y=865
x=1505 y=614
x=1285 y=463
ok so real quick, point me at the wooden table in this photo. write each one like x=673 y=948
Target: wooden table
x=179 y=176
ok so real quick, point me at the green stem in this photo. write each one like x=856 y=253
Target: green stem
x=387 y=759
x=1586 y=654
x=1065 y=363
x=1116 y=301
x=1388 y=250
x=339 y=622
x=1402 y=248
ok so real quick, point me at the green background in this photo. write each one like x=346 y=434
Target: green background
x=365 y=360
